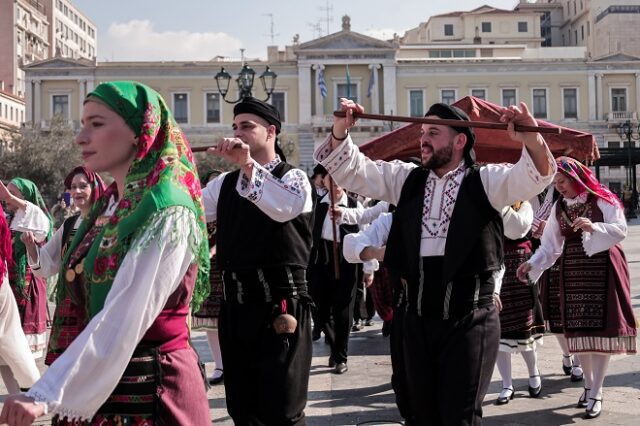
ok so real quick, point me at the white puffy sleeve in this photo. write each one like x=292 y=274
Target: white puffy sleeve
x=33 y=219
x=609 y=232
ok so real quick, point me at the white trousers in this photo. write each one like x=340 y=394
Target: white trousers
x=14 y=349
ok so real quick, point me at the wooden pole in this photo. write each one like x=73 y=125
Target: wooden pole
x=452 y=123
x=336 y=259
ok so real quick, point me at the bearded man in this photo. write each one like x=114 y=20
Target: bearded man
x=445 y=243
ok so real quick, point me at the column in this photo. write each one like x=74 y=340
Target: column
x=637 y=93
x=28 y=98
x=304 y=94
x=389 y=89
x=593 y=114
x=82 y=93
x=375 y=98
x=37 y=102
x=599 y=97
x=319 y=99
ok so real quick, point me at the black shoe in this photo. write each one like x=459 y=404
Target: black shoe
x=315 y=334
x=368 y=323
x=584 y=398
x=356 y=327
x=567 y=370
x=220 y=379
x=535 y=392
x=592 y=412
x=386 y=328
x=504 y=399
x=341 y=368
x=331 y=363
x=577 y=377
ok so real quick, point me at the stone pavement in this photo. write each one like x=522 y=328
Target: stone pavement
x=363 y=395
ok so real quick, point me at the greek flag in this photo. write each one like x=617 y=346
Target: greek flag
x=321 y=84
x=372 y=83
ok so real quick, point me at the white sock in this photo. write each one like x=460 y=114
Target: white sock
x=576 y=369
x=503 y=362
x=531 y=359
x=587 y=367
x=599 y=364
x=214 y=345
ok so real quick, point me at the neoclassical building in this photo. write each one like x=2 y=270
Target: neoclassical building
x=501 y=56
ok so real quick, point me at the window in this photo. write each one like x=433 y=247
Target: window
x=351 y=93
x=486 y=27
x=181 y=107
x=508 y=97
x=540 y=103
x=278 y=101
x=523 y=27
x=448 y=29
x=60 y=106
x=582 y=32
x=570 y=103
x=614 y=145
x=479 y=93
x=416 y=103
x=618 y=100
x=448 y=96
x=212 y=101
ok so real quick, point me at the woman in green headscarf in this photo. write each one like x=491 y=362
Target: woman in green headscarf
x=25 y=203
x=144 y=254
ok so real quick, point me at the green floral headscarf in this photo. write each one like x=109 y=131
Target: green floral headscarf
x=30 y=192
x=162 y=175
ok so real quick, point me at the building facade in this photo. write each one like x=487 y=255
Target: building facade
x=72 y=34
x=567 y=85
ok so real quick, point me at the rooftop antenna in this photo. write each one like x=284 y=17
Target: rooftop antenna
x=329 y=18
x=271 y=34
x=317 y=29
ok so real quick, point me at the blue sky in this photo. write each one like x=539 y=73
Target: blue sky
x=202 y=29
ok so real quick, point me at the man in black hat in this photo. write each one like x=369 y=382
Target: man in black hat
x=264 y=213
x=445 y=243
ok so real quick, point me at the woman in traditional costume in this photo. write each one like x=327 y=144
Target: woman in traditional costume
x=549 y=285
x=144 y=254
x=207 y=317
x=29 y=212
x=70 y=318
x=585 y=230
x=14 y=348
x=521 y=322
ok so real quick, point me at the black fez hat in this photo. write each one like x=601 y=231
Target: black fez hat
x=450 y=112
x=268 y=112
x=319 y=170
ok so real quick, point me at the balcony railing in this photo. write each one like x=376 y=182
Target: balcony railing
x=620 y=116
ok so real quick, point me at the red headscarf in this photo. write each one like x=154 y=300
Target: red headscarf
x=584 y=180
x=97 y=184
x=6 y=257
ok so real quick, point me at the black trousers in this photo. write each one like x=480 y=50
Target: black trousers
x=363 y=309
x=448 y=365
x=266 y=376
x=334 y=300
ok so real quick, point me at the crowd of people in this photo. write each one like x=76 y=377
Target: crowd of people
x=465 y=263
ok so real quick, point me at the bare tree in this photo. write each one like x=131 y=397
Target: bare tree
x=44 y=156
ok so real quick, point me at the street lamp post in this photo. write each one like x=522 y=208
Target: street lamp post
x=245 y=82
x=626 y=131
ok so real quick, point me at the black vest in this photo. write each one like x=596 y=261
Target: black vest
x=322 y=209
x=474 y=241
x=249 y=239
